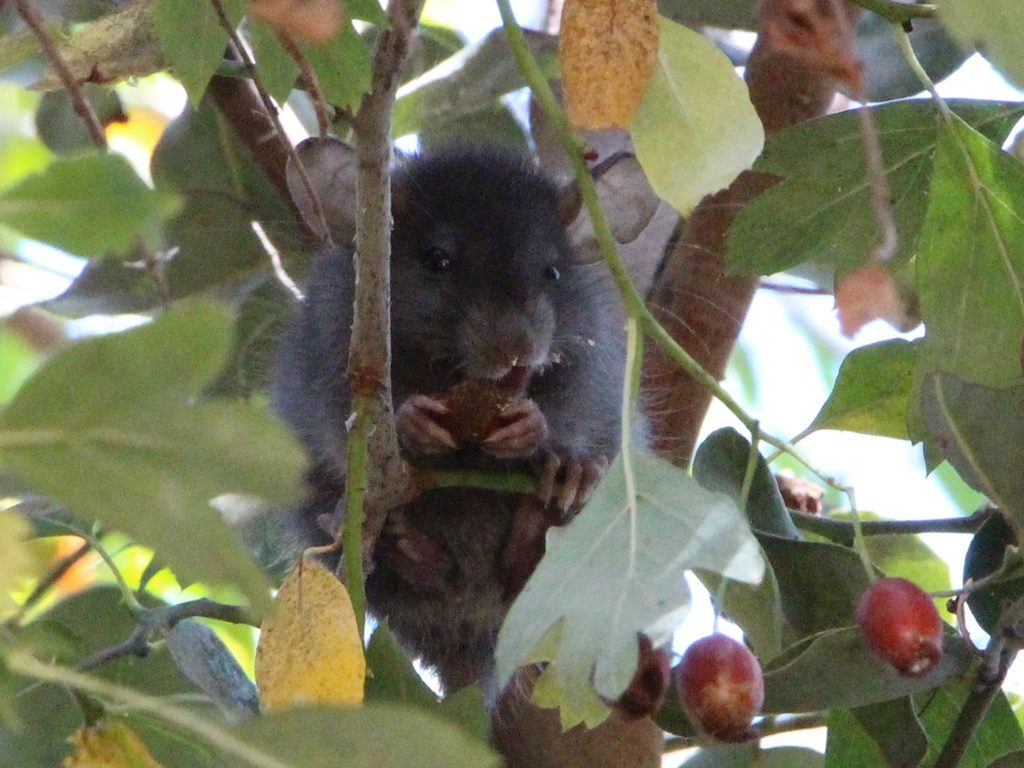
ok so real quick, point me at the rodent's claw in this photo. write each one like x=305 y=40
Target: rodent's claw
x=417 y=427
x=523 y=433
x=579 y=476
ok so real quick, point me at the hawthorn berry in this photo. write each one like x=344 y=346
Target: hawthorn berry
x=901 y=625
x=721 y=687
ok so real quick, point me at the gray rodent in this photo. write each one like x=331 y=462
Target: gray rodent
x=484 y=286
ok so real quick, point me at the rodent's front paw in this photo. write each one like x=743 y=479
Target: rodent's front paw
x=524 y=430
x=578 y=477
x=417 y=427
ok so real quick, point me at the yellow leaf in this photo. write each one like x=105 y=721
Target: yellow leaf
x=16 y=561
x=608 y=50
x=310 y=651
x=111 y=744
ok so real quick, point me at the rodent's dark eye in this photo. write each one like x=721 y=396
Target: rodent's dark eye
x=437 y=259
x=551 y=273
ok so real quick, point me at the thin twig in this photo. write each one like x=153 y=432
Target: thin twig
x=205 y=728
x=268 y=105
x=841 y=531
x=49 y=579
x=768 y=285
x=275 y=262
x=898 y=13
x=310 y=79
x=769 y=725
x=154 y=620
x=82 y=106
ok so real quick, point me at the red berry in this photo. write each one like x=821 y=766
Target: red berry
x=721 y=687
x=901 y=625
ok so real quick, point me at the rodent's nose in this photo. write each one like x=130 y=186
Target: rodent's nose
x=495 y=340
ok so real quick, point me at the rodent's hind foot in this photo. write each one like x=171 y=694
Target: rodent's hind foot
x=523 y=432
x=416 y=558
x=578 y=477
x=417 y=427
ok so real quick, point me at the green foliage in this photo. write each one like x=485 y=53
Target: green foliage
x=993 y=549
x=62 y=204
x=277 y=68
x=821 y=211
x=133 y=449
x=695 y=129
x=971 y=261
x=617 y=570
x=193 y=40
x=342 y=66
x=992 y=26
x=384 y=736
x=872 y=391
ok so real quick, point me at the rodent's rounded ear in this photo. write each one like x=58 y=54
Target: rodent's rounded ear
x=331 y=167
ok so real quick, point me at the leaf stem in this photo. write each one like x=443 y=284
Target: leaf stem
x=841 y=531
x=20 y=662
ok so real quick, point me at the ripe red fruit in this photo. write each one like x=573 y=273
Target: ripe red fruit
x=721 y=687
x=901 y=625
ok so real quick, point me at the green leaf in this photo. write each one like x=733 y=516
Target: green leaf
x=822 y=212
x=617 y=570
x=971 y=261
x=820 y=583
x=872 y=391
x=695 y=129
x=16 y=561
x=720 y=464
x=68 y=632
x=894 y=726
x=888 y=77
x=753 y=756
x=198 y=157
x=727 y=14
x=134 y=450
x=980 y=431
x=62 y=130
x=342 y=66
x=90 y=205
x=1011 y=760
x=835 y=668
x=998 y=733
x=193 y=40
x=469 y=80
x=367 y=10
x=378 y=736
x=987 y=553
x=277 y=68
x=395 y=680
x=995 y=27
x=849 y=745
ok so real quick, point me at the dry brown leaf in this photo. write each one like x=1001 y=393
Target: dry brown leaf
x=314 y=21
x=865 y=295
x=310 y=650
x=608 y=50
x=110 y=744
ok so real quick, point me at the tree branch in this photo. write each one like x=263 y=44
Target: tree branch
x=82 y=106
x=841 y=531
x=376 y=471
x=154 y=620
